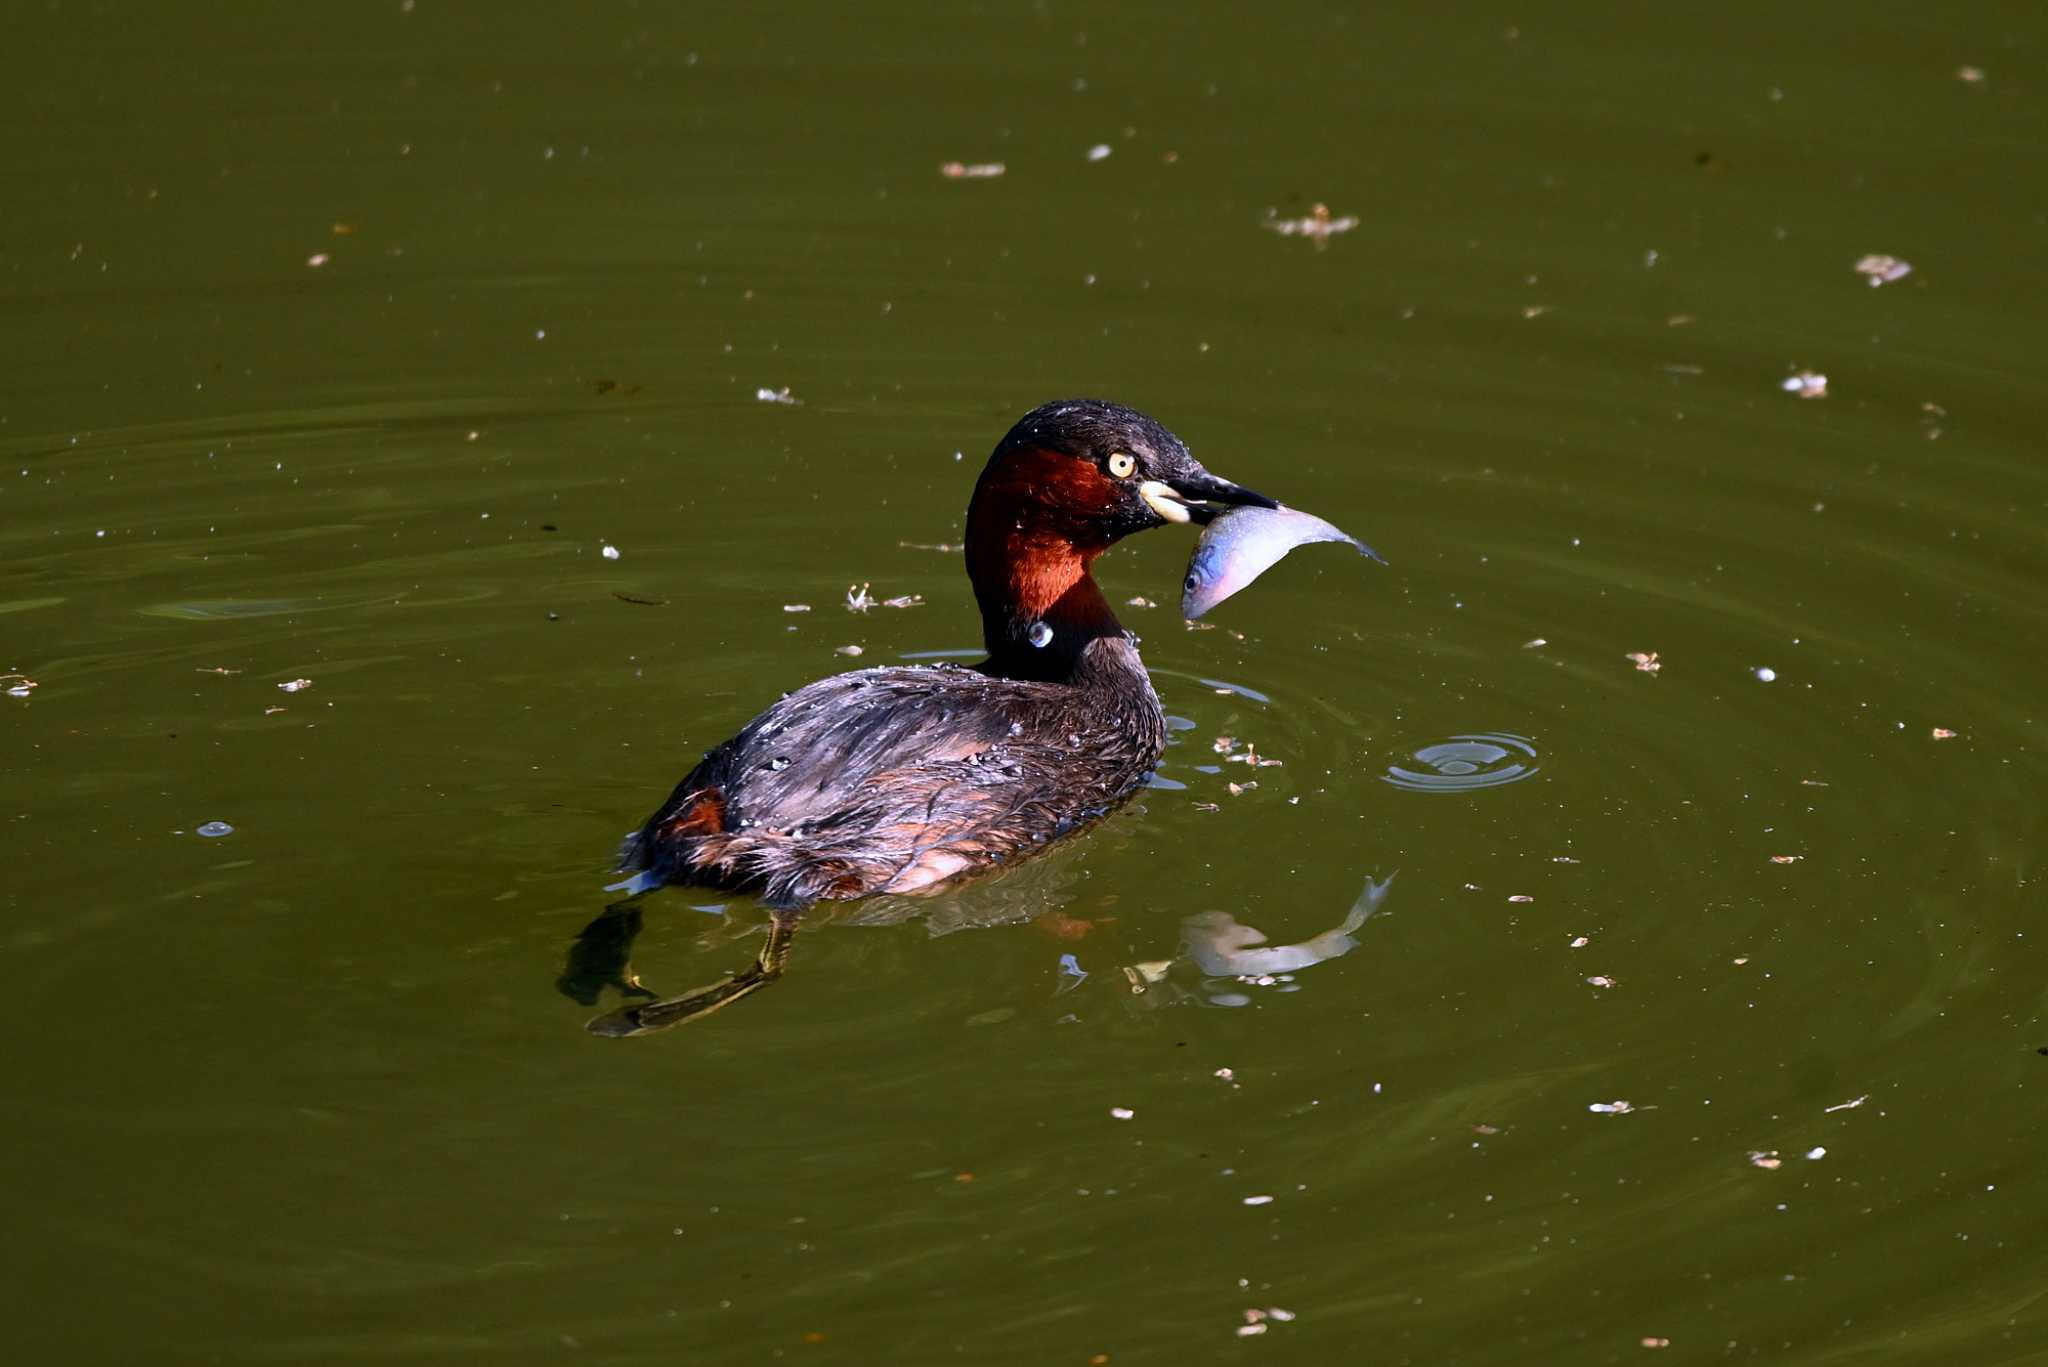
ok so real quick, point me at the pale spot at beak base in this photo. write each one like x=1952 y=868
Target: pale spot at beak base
x=1161 y=499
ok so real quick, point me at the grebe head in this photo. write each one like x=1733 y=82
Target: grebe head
x=1071 y=479
x=1099 y=471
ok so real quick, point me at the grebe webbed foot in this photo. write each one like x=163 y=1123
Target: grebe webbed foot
x=649 y=1017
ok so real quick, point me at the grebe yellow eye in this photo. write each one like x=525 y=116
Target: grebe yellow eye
x=1122 y=465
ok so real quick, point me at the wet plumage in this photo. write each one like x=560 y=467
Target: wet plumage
x=892 y=780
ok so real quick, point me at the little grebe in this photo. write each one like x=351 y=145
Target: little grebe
x=899 y=779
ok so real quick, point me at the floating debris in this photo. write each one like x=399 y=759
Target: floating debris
x=1223 y=745
x=849 y=650
x=1100 y=152
x=782 y=395
x=1740 y=960
x=1226 y=1074
x=214 y=829
x=1943 y=733
x=1521 y=897
x=1970 y=75
x=1807 y=384
x=904 y=600
x=796 y=607
x=1767 y=1158
x=207 y=669
x=1651 y=1341
x=1610 y=1108
x=609 y=551
x=1786 y=858
x=1848 y=1105
x=1765 y=674
x=950 y=547
x=1645 y=661
x=858 y=599
x=1140 y=602
x=318 y=259
x=1258 y=1200
x=1600 y=980
x=1534 y=643
x=272 y=711
x=1580 y=942
x=1535 y=310
x=296 y=685
x=1882 y=270
x=971 y=170
x=1238 y=788
x=1816 y=1153
x=22 y=686
x=1122 y=1112
x=1319 y=226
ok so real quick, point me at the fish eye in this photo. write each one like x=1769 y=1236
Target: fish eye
x=1122 y=465
x=1189 y=582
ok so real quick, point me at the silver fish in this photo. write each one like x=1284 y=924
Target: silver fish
x=1223 y=946
x=1243 y=543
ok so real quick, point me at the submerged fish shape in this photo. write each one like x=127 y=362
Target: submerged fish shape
x=1222 y=946
x=1243 y=543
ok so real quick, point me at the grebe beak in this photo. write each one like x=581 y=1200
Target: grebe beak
x=1193 y=497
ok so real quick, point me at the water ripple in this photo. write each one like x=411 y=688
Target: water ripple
x=1464 y=763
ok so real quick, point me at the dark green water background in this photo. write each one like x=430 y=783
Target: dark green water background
x=307 y=1092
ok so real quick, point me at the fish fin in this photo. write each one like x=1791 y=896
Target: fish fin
x=1368 y=902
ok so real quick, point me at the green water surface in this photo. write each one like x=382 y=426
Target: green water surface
x=339 y=344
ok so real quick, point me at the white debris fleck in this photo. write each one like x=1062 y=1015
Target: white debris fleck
x=1807 y=384
x=1122 y=1112
x=296 y=685
x=796 y=607
x=1610 y=1108
x=1882 y=270
x=1764 y=673
x=849 y=650
x=782 y=395
x=1580 y=942
x=1245 y=1331
x=318 y=259
x=1848 y=1105
x=1816 y=1153
x=1258 y=1200
x=1100 y=152
x=971 y=170
x=610 y=552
